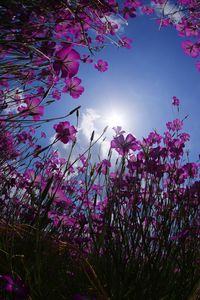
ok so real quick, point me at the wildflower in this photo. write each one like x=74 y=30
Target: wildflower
x=33 y=108
x=73 y=87
x=198 y=65
x=16 y=287
x=86 y=59
x=56 y=94
x=65 y=132
x=147 y=10
x=123 y=145
x=190 y=48
x=125 y=42
x=175 y=101
x=176 y=124
x=101 y=65
x=66 y=62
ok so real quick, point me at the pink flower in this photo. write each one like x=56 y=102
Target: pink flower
x=103 y=166
x=129 y=12
x=198 y=65
x=33 y=108
x=118 y=130
x=123 y=145
x=125 y=42
x=66 y=62
x=192 y=30
x=176 y=124
x=86 y=59
x=43 y=135
x=184 y=2
x=101 y=65
x=181 y=28
x=190 y=48
x=133 y=3
x=65 y=132
x=164 y=22
x=73 y=87
x=15 y=286
x=56 y=94
x=99 y=39
x=175 y=101
x=147 y=10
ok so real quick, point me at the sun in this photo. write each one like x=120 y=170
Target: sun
x=114 y=118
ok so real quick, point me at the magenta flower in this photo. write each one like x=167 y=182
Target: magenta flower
x=190 y=48
x=101 y=65
x=133 y=3
x=43 y=135
x=16 y=287
x=198 y=65
x=176 y=124
x=181 y=28
x=66 y=62
x=65 y=132
x=56 y=94
x=163 y=22
x=129 y=12
x=99 y=39
x=73 y=87
x=175 y=101
x=103 y=166
x=125 y=42
x=147 y=10
x=86 y=59
x=118 y=130
x=33 y=108
x=123 y=145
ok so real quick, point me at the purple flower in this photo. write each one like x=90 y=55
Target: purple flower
x=147 y=10
x=86 y=59
x=65 y=132
x=198 y=65
x=175 y=101
x=56 y=94
x=190 y=48
x=73 y=87
x=118 y=130
x=176 y=124
x=15 y=286
x=123 y=145
x=33 y=108
x=125 y=42
x=129 y=12
x=101 y=65
x=66 y=62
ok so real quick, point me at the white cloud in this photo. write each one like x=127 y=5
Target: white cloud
x=170 y=10
x=118 y=20
x=91 y=120
x=89 y=123
x=11 y=98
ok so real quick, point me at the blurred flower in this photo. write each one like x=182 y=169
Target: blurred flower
x=73 y=87
x=101 y=65
x=66 y=62
x=14 y=286
x=123 y=145
x=125 y=42
x=175 y=101
x=65 y=132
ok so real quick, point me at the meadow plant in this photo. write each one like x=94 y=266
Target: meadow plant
x=79 y=229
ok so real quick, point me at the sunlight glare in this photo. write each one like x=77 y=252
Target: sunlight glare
x=114 y=119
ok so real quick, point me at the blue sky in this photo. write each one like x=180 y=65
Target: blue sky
x=139 y=85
